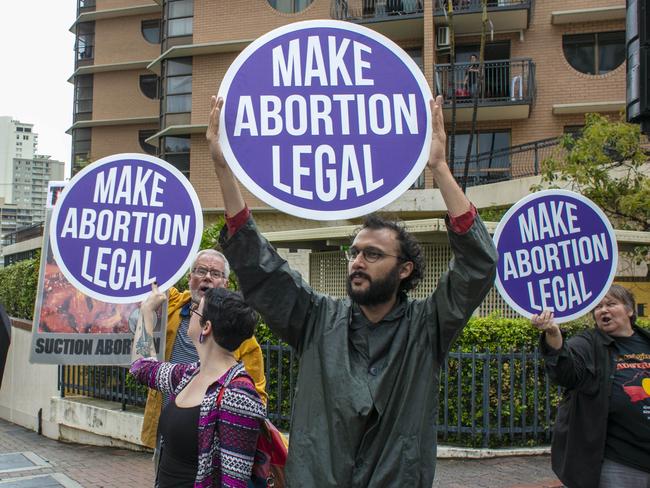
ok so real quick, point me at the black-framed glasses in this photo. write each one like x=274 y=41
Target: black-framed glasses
x=201 y=272
x=370 y=254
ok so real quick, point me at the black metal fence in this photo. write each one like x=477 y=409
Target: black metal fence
x=506 y=164
x=488 y=399
x=507 y=81
x=375 y=9
x=111 y=383
x=466 y=6
x=492 y=399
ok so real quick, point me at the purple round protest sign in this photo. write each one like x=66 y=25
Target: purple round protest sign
x=558 y=252
x=325 y=119
x=124 y=222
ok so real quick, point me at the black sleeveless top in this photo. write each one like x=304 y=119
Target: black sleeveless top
x=179 y=428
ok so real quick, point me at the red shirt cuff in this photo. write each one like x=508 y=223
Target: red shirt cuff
x=237 y=221
x=463 y=222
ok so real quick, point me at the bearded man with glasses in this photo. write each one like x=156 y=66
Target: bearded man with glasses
x=365 y=407
x=210 y=269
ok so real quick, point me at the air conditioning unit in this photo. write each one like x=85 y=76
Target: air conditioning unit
x=442 y=38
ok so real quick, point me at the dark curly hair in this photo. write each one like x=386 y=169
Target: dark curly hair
x=233 y=321
x=410 y=249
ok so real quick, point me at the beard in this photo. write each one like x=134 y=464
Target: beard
x=378 y=291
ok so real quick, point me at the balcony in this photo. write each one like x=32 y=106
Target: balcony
x=506 y=15
x=396 y=19
x=507 y=91
x=512 y=163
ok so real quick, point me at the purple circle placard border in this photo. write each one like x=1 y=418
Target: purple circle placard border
x=293 y=208
x=562 y=195
x=78 y=184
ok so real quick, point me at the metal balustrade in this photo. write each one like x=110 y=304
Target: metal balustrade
x=473 y=6
x=509 y=81
x=486 y=397
x=375 y=9
x=506 y=164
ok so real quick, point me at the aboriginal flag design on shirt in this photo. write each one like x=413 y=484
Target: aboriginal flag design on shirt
x=628 y=428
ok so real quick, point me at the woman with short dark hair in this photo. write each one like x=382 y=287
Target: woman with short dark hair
x=601 y=437
x=211 y=423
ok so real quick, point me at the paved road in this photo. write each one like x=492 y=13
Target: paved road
x=73 y=465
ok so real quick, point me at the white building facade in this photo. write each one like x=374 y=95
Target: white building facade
x=17 y=140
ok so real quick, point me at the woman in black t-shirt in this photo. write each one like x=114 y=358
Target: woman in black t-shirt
x=601 y=440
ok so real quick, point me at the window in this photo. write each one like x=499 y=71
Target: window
x=80 y=148
x=85 y=40
x=488 y=161
x=178 y=85
x=177 y=153
x=419 y=183
x=179 y=15
x=149 y=86
x=25 y=138
x=143 y=135
x=83 y=94
x=416 y=55
x=151 y=31
x=290 y=6
x=595 y=54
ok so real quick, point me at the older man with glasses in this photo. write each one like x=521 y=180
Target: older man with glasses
x=209 y=270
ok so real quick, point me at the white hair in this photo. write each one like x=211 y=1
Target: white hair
x=215 y=253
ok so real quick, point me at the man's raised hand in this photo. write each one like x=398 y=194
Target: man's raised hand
x=438 y=151
x=212 y=134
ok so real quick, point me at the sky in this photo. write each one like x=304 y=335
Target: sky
x=37 y=53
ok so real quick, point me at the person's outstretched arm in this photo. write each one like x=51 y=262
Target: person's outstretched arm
x=569 y=364
x=144 y=366
x=143 y=346
x=455 y=200
x=278 y=293
x=233 y=200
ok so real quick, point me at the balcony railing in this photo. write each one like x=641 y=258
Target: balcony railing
x=505 y=164
x=473 y=6
x=504 y=82
x=375 y=9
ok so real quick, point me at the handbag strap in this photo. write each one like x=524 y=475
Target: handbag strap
x=238 y=379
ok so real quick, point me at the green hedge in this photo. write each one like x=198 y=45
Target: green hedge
x=511 y=382
x=18 y=284
x=518 y=394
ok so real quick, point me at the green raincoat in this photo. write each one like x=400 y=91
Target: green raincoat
x=364 y=412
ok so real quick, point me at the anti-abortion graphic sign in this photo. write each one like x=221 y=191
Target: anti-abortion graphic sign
x=73 y=328
x=124 y=222
x=325 y=119
x=558 y=252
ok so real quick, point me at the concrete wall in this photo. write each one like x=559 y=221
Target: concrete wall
x=27 y=388
x=30 y=388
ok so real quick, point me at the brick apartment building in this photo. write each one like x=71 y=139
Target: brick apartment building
x=145 y=70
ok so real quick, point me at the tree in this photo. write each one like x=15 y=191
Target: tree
x=478 y=90
x=607 y=164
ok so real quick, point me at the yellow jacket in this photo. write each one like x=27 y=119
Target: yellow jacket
x=249 y=353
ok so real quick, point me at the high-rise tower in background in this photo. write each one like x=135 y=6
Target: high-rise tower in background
x=24 y=175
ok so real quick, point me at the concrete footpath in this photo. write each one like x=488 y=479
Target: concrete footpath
x=28 y=460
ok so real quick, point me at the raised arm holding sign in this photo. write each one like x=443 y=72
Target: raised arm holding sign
x=369 y=365
x=455 y=200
